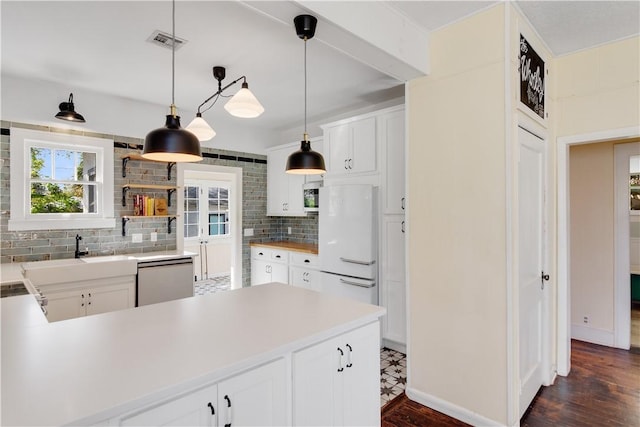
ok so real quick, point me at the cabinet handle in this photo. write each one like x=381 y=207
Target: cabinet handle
x=349 y=364
x=402 y=203
x=345 y=164
x=340 y=368
x=402 y=226
x=307 y=261
x=213 y=411
x=350 y=163
x=228 y=411
x=89 y=303
x=278 y=256
x=82 y=305
x=260 y=253
x=268 y=269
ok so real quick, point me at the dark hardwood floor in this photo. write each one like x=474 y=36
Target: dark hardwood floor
x=603 y=389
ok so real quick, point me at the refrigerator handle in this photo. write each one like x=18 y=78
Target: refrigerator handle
x=354 y=261
x=362 y=285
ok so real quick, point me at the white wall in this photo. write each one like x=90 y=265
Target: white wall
x=457 y=340
x=36 y=102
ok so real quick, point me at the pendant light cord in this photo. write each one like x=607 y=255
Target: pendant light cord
x=173 y=57
x=305 y=90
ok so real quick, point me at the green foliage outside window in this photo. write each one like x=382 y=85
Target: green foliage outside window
x=52 y=197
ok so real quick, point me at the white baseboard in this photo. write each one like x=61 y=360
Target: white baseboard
x=592 y=335
x=402 y=348
x=450 y=409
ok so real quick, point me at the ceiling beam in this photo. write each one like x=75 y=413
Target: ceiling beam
x=373 y=33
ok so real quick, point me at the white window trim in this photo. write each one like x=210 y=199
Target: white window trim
x=201 y=183
x=21 y=218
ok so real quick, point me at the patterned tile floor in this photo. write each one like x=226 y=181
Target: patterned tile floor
x=393 y=374
x=393 y=364
x=211 y=286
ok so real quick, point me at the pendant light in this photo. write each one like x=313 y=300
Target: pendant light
x=243 y=104
x=305 y=161
x=68 y=112
x=172 y=143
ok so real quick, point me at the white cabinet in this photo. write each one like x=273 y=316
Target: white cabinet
x=269 y=265
x=352 y=146
x=284 y=191
x=303 y=271
x=392 y=138
x=393 y=288
x=337 y=382
x=254 y=398
x=95 y=297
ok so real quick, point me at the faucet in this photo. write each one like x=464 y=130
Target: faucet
x=80 y=253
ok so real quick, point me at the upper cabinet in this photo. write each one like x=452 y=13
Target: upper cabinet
x=351 y=146
x=285 y=195
x=391 y=130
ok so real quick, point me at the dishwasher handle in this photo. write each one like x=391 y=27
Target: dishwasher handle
x=160 y=263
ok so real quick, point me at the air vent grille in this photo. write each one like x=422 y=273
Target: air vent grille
x=163 y=39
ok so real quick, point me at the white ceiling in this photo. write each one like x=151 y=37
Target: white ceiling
x=101 y=46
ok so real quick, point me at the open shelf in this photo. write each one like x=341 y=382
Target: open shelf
x=126 y=187
x=138 y=157
x=127 y=218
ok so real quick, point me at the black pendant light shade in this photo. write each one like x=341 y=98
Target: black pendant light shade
x=68 y=112
x=305 y=161
x=171 y=143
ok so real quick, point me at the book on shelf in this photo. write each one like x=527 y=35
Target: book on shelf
x=145 y=205
x=160 y=207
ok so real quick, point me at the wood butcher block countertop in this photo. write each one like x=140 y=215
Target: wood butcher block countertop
x=309 y=248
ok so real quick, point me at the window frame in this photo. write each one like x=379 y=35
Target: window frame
x=21 y=218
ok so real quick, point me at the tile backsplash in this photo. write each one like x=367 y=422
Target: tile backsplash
x=21 y=246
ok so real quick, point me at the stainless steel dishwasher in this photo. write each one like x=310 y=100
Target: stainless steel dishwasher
x=164 y=280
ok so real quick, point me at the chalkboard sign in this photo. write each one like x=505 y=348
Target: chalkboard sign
x=531 y=68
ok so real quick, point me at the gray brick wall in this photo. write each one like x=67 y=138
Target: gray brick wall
x=56 y=244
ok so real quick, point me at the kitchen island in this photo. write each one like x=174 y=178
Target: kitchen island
x=305 y=355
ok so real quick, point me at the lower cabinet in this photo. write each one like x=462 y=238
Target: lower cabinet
x=305 y=278
x=267 y=271
x=254 y=398
x=393 y=283
x=92 y=298
x=337 y=382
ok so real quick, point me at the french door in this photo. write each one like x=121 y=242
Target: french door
x=207 y=226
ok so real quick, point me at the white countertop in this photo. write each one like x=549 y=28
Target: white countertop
x=87 y=369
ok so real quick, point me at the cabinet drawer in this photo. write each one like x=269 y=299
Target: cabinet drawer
x=269 y=254
x=304 y=259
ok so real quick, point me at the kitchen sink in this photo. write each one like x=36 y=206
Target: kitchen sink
x=79 y=269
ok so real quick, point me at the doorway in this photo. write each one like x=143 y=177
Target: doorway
x=209 y=224
x=634 y=247
x=563 y=332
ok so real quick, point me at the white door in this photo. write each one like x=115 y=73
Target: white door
x=531 y=264
x=207 y=227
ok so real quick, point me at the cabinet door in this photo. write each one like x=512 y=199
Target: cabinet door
x=317 y=387
x=363 y=146
x=361 y=395
x=279 y=273
x=65 y=304
x=277 y=182
x=194 y=409
x=260 y=272
x=392 y=139
x=255 y=398
x=111 y=298
x=393 y=279
x=304 y=278
x=339 y=141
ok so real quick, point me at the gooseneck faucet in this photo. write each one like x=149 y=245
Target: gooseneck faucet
x=79 y=253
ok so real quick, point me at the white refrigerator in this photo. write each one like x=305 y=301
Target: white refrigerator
x=347 y=241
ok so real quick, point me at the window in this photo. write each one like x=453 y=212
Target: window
x=206 y=210
x=60 y=181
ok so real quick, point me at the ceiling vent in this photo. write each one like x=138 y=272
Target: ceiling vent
x=165 y=40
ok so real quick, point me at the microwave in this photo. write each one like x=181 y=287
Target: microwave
x=311 y=196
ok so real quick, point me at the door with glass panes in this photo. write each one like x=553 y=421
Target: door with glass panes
x=207 y=227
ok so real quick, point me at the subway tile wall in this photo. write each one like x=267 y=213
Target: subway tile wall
x=56 y=244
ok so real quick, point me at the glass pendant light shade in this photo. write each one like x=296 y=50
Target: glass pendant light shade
x=244 y=104
x=201 y=129
x=172 y=144
x=68 y=112
x=305 y=161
